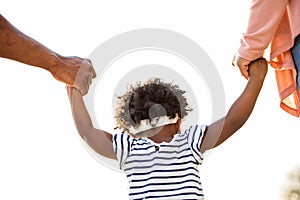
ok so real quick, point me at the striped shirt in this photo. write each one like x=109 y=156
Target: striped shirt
x=162 y=171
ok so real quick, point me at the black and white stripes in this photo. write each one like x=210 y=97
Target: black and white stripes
x=162 y=171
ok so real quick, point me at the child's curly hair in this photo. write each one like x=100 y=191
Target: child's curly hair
x=150 y=100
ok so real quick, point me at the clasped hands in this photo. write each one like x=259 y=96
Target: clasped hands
x=75 y=72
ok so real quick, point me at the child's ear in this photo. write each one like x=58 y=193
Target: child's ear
x=178 y=123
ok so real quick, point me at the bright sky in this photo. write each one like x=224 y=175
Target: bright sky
x=41 y=154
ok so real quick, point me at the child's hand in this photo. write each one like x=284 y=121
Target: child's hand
x=75 y=72
x=258 y=68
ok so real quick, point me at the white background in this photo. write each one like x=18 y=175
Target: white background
x=40 y=151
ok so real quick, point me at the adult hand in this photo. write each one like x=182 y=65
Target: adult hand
x=242 y=64
x=75 y=72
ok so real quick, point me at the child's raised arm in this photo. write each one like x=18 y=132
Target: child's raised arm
x=100 y=141
x=241 y=109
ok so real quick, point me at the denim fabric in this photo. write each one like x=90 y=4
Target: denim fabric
x=296 y=56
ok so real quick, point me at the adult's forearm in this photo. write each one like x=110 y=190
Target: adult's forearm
x=17 y=46
x=264 y=18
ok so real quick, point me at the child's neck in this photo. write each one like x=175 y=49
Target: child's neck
x=165 y=134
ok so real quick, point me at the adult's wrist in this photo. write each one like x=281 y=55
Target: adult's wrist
x=249 y=54
x=54 y=63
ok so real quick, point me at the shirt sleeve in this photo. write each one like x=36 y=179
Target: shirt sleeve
x=195 y=136
x=264 y=19
x=122 y=145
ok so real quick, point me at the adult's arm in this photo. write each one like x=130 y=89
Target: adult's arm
x=15 y=45
x=264 y=19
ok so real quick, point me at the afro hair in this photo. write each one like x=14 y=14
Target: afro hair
x=150 y=100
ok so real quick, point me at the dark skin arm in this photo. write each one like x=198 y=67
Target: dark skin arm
x=240 y=110
x=99 y=140
x=15 y=45
x=215 y=134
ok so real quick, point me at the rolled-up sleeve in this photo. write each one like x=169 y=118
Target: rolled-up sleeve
x=264 y=19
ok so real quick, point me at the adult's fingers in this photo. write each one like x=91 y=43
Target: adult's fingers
x=244 y=71
x=234 y=61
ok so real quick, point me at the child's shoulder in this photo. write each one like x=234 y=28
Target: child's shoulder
x=195 y=128
x=193 y=132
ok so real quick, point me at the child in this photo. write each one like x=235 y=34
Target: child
x=159 y=160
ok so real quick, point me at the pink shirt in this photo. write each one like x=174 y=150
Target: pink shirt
x=275 y=22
